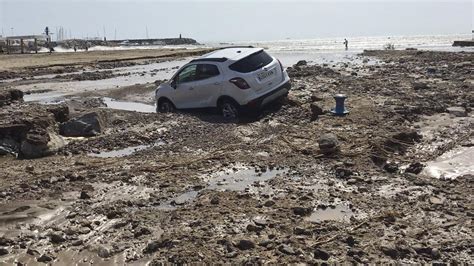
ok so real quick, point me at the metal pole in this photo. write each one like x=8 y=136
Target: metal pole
x=36 y=46
x=21 y=45
x=8 y=46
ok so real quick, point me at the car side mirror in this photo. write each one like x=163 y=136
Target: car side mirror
x=173 y=83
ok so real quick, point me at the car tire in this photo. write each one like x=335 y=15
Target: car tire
x=230 y=110
x=165 y=106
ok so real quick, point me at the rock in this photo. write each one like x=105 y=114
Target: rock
x=301 y=63
x=302 y=211
x=343 y=173
x=436 y=201
x=88 y=125
x=231 y=255
x=316 y=98
x=415 y=168
x=60 y=112
x=155 y=245
x=391 y=168
x=254 y=228
x=400 y=141
x=103 y=252
x=44 y=258
x=35 y=143
x=260 y=222
x=39 y=142
x=457 y=111
x=355 y=253
x=321 y=254
x=16 y=95
x=141 y=232
x=420 y=86
x=215 y=200
x=328 y=144
x=113 y=213
x=431 y=70
x=283 y=248
x=316 y=111
x=9 y=96
x=84 y=195
x=245 y=244
x=56 y=238
x=301 y=231
x=3 y=251
x=269 y=203
x=391 y=252
x=32 y=252
x=350 y=241
x=434 y=253
x=77 y=243
x=6 y=241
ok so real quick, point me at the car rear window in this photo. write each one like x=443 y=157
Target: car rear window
x=205 y=71
x=252 y=62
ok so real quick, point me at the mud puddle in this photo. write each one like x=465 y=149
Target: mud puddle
x=452 y=164
x=241 y=178
x=436 y=128
x=45 y=97
x=129 y=106
x=180 y=200
x=340 y=212
x=71 y=257
x=125 y=151
x=236 y=178
x=16 y=215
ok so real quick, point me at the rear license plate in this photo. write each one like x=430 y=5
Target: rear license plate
x=266 y=74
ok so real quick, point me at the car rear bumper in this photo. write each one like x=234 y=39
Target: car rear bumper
x=263 y=100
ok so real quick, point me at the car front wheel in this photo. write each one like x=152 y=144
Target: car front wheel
x=165 y=106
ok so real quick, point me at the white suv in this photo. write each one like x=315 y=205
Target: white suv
x=232 y=79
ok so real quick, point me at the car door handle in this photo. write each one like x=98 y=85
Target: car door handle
x=191 y=88
x=217 y=83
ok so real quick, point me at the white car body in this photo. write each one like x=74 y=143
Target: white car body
x=216 y=75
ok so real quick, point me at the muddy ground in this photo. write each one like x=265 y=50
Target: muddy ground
x=189 y=187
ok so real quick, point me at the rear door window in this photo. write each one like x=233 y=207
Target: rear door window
x=252 y=62
x=205 y=71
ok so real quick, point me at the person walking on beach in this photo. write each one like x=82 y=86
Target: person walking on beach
x=346 y=43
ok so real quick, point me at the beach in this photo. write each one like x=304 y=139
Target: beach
x=388 y=182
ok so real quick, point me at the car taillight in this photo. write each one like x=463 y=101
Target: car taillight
x=240 y=82
x=281 y=66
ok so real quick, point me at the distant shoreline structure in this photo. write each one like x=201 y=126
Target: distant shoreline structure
x=28 y=44
x=467 y=43
x=80 y=43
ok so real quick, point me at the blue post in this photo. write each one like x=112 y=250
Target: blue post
x=340 y=109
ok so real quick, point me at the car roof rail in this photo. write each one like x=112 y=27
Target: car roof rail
x=236 y=46
x=221 y=59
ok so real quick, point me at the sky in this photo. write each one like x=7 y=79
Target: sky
x=232 y=20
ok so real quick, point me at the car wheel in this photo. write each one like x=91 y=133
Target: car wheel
x=229 y=109
x=165 y=106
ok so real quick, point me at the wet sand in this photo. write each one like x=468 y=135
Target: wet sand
x=18 y=61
